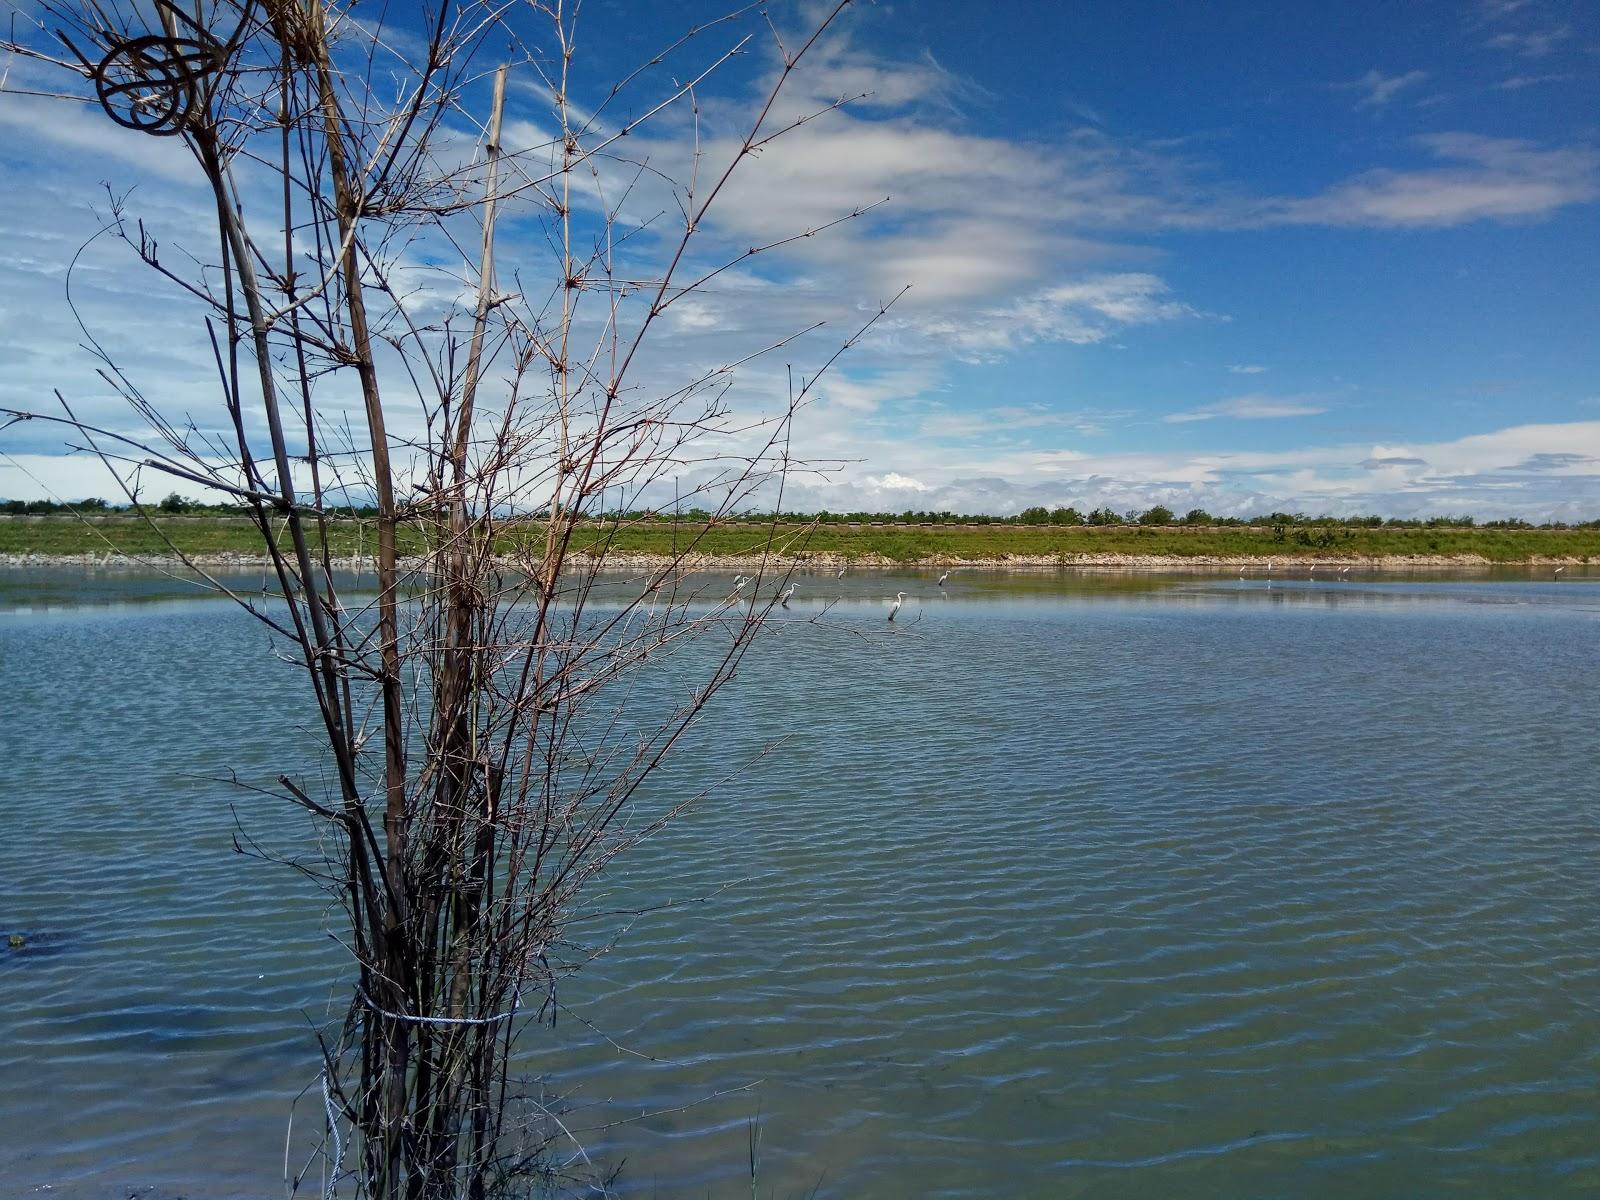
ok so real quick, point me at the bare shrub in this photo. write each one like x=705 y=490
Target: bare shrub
x=484 y=762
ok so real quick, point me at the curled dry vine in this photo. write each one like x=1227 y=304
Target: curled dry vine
x=480 y=768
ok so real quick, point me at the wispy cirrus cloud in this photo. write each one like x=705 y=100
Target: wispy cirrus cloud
x=1477 y=178
x=1257 y=406
x=81 y=130
x=1531 y=43
x=1377 y=90
x=1083 y=311
x=1005 y=240
x=1496 y=10
x=1013 y=235
x=1517 y=83
x=1017 y=421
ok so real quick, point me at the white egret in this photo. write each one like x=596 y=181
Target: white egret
x=840 y=575
x=784 y=599
x=1558 y=571
x=943 y=577
x=895 y=607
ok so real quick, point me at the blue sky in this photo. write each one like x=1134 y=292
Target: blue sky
x=1335 y=258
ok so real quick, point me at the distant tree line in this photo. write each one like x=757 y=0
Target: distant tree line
x=172 y=505
x=1158 y=515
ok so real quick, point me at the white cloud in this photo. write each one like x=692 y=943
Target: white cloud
x=1539 y=472
x=1382 y=459
x=1562 y=461
x=57 y=477
x=836 y=70
x=867 y=391
x=1009 y=242
x=1517 y=83
x=1016 y=422
x=1256 y=406
x=1084 y=312
x=84 y=130
x=1495 y=10
x=896 y=482
x=1534 y=43
x=692 y=314
x=1378 y=90
x=1556 y=476
x=1486 y=179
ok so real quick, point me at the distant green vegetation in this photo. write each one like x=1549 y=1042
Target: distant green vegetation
x=119 y=532
x=99 y=531
x=912 y=543
x=173 y=505
x=1157 y=517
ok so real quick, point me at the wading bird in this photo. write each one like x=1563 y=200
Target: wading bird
x=784 y=599
x=943 y=577
x=840 y=575
x=895 y=607
x=1558 y=571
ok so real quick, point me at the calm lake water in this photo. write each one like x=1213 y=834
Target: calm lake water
x=1097 y=885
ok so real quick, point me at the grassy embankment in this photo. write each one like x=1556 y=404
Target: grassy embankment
x=210 y=536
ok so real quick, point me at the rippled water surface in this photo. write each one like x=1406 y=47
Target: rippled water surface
x=1070 y=885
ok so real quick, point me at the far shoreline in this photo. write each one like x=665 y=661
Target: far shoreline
x=824 y=562
x=213 y=541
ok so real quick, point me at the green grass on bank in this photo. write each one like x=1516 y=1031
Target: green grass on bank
x=62 y=535
x=937 y=542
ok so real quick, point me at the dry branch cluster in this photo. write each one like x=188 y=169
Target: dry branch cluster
x=482 y=762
